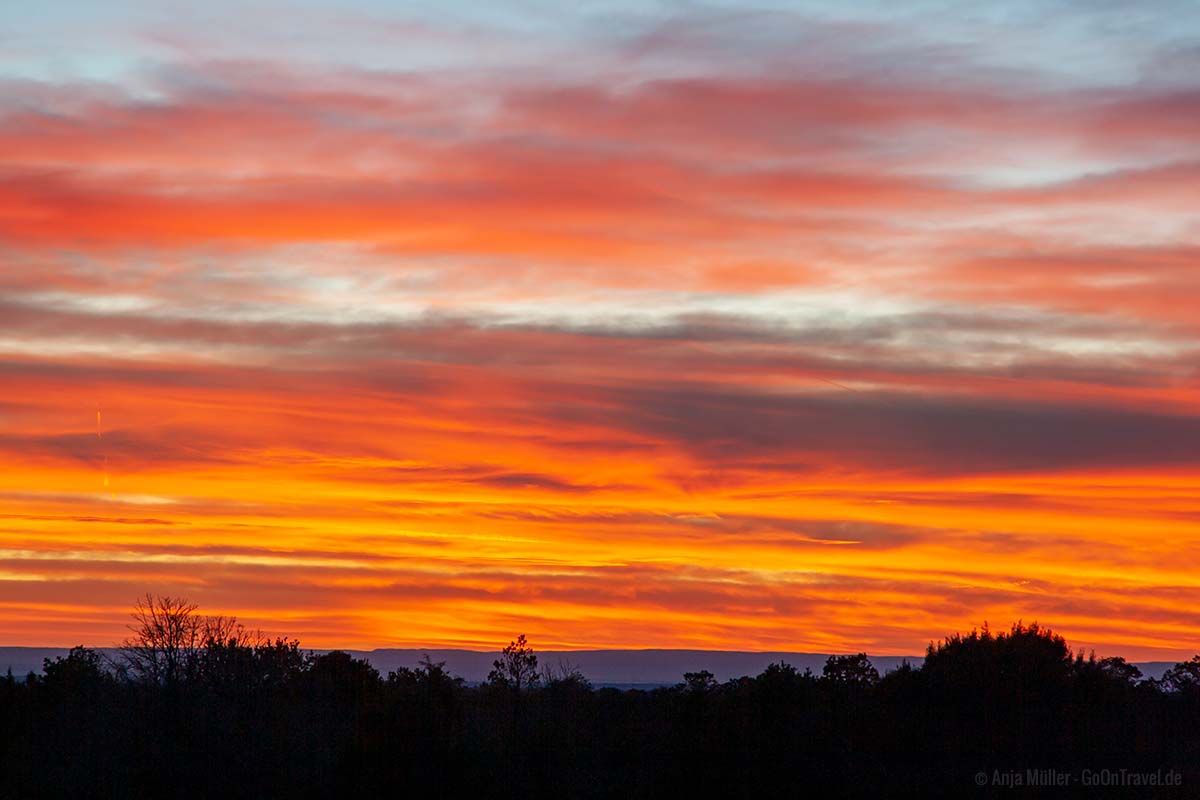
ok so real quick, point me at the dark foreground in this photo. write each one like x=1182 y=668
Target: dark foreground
x=985 y=716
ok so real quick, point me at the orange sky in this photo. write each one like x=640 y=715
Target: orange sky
x=771 y=330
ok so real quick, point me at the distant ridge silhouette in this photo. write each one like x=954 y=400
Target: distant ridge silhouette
x=618 y=668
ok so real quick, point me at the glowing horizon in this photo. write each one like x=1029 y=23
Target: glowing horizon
x=805 y=328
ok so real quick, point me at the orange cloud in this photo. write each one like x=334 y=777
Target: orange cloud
x=753 y=361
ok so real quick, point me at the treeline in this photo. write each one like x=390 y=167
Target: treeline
x=196 y=706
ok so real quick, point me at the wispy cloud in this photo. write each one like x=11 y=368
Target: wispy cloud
x=815 y=328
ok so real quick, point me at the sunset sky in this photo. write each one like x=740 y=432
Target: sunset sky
x=822 y=326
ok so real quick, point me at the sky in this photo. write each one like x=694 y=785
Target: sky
x=810 y=326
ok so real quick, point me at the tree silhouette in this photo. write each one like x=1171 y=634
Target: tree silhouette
x=699 y=682
x=1030 y=655
x=339 y=675
x=427 y=673
x=1118 y=669
x=517 y=666
x=279 y=723
x=1183 y=677
x=856 y=670
x=80 y=671
x=563 y=675
x=168 y=637
x=248 y=661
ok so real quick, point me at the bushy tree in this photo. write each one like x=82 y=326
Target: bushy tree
x=699 y=682
x=1030 y=655
x=1183 y=677
x=430 y=680
x=854 y=671
x=339 y=675
x=81 y=671
x=517 y=667
x=1116 y=668
x=248 y=661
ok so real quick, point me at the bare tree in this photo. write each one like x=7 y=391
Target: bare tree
x=169 y=638
x=564 y=674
